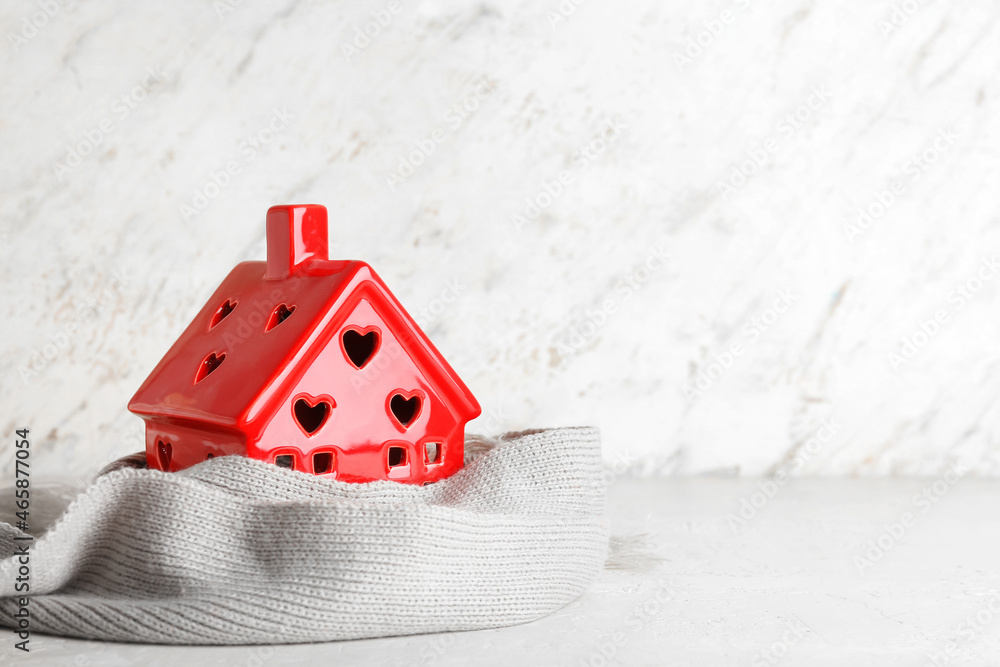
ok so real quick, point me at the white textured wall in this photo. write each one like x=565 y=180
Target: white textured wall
x=558 y=318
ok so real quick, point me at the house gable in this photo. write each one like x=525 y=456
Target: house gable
x=392 y=400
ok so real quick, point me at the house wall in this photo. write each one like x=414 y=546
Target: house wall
x=189 y=443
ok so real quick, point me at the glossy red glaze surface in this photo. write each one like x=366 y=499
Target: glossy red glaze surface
x=307 y=362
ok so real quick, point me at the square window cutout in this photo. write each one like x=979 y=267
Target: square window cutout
x=397 y=457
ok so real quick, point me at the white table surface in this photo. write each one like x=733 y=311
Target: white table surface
x=785 y=588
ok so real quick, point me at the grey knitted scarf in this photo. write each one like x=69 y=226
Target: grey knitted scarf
x=237 y=551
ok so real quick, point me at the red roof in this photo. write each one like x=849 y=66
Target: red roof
x=268 y=362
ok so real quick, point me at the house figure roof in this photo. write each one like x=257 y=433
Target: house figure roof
x=261 y=329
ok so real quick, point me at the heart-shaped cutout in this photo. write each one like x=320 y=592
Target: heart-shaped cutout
x=208 y=366
x=222 y=313
x=360 y=347
x=311 y=413
x=404 y=409
x=164 y=452
x=280 y=314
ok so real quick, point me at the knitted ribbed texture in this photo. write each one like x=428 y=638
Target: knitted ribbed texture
x=237 y=551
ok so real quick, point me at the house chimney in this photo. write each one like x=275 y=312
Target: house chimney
x=296 y=233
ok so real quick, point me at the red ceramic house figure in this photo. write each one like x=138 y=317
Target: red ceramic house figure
x=308 y=363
